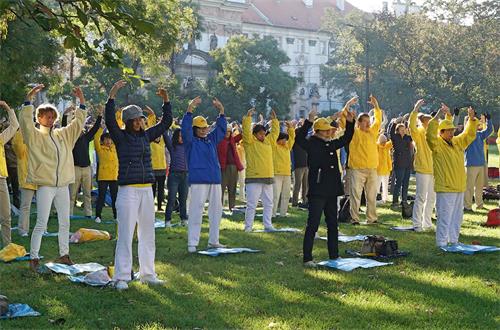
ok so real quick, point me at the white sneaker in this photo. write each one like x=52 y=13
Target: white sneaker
x=248 y=229
x=191 y=249
x=23 y=234
x=215 y=246
x=184 y=223
x=168 y=224
x=97 y=220
x=153 y=281
x=121 y=285
x=271 y=228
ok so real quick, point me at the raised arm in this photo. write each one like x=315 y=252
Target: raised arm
x=301 y=133
x=469 y=134
x=375 y=127
x=26 y=115
x=72 y=132
x=219 y=132
x=349 y=131
x=97 y=139
x=92 y=132
x=166 y=119
x=431 y=134
x=9 y=132
x=246 y=127
x=110 y=116
x=275 y=128
x=486 y=132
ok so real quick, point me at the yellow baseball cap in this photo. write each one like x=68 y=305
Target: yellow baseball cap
x=200 y=121
x=446 y=124
x=321 y=124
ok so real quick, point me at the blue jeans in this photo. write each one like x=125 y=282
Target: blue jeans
x=402 y=178
x=177 y=184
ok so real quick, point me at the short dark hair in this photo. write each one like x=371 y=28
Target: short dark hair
x=282 y=136
x=257 y=128
x=363 y=115
x=105 y=136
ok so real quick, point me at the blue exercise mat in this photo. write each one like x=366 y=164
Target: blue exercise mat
x=403 y=228
x=98 y=278
x=74 y=269
x=348 y=264
x=161 y=224
x=278 y=230
x=219 y=251
x=469 y=249
x=19 y=310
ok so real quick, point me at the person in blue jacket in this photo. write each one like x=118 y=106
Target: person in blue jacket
x=204 y=172
x=135 y=202
x=475 y=159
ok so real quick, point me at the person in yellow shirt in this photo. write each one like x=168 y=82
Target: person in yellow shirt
x=283 y=169
x=27 y=190
x=425 y=196
x=449 y=172
x=260 y=170
x=5 y=136
x=384 y=166
x=107 y=174
x=363 y=163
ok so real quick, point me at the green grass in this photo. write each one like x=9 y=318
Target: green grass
x=428 y=289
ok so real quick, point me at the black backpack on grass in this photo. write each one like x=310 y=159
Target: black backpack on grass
x=407 y=210
x=344 y=210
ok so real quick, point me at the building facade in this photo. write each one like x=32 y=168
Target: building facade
x=296 y=26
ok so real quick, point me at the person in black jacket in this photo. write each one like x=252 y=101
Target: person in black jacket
x=83 y=171
x=325 y=184
x=135 y=202
x=300 y=173
x=402 y=145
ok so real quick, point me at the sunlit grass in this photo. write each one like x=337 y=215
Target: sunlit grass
x=270 y=289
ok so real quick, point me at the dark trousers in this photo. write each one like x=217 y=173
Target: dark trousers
x=177 y=184
x=402 y=180
x=102 y=188
x=318 y=206
x=229 y=181
x=14 y=184
x=159 y=186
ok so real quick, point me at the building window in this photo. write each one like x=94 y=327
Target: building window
x=300 y=45
x=312 y=43
x=290 y=41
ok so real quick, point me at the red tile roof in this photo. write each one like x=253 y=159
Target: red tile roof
x=291 y=13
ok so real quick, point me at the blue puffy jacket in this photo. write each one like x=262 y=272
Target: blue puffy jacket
x=134 y=152
x=203 y=162
x=474 y=154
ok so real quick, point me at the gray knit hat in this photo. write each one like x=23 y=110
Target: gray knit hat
x=131 y=112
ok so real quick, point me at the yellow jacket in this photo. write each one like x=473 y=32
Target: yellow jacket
x=384 y=159
x=50 y=156
x=22 y=160
x=108 y=159
x=259 y=155
x=158 y=159
x=241 y=153
x=5 y=137
x=363 y=153
x=281 y=155
x=423 y=154
x=449 y=165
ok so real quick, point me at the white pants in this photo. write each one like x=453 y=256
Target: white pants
x=475 y=178
x=199 y=195
x=254 y=192
x=450 y=209
x=241 y=183
x=425 y=199
x=135 y=206
x=384 y=181
x=44 y=198
x=23 y=222
x=281 y=188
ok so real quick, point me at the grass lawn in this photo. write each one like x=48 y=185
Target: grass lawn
x=271 y=289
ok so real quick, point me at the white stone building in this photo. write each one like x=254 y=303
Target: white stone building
x=295 y=24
